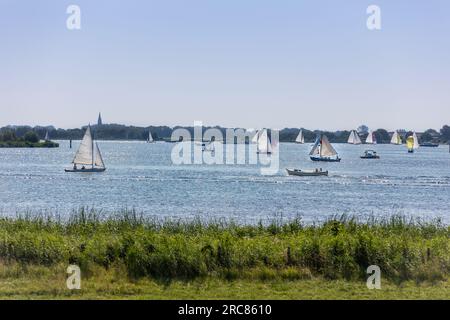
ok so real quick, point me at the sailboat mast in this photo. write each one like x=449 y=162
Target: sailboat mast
x=320 y=147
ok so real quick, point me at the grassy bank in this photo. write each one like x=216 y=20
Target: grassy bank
x=40 y=282
x=133 y=250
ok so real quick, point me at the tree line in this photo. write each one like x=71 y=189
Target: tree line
x=163 y=133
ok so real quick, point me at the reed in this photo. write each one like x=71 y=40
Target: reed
x=340 y=248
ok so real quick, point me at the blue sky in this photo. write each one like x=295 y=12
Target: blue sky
x=247 y=63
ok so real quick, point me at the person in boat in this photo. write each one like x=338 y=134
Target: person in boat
x=83 y=167
x=74 y=166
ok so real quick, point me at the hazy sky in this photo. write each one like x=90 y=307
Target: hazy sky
x=237 y=63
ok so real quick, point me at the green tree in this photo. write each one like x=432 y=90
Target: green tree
x=31 y=136
x=8 y=135
x=382 y=136
x=445 y=132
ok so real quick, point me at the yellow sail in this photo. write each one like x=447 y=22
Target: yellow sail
x=410 y=143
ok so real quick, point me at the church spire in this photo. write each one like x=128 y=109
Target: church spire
x=99 y=121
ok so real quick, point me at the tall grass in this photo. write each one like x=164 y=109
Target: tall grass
x=340 y=248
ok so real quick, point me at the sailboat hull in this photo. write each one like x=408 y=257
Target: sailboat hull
x=87 y=170
x=301 y=173
x=326 y=159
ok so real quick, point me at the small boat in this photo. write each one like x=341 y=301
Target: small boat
x=412 y=142
x=354 y=138
x=429 y=145
x=263 y=143
x=150 y=138
x=323 y=150
x=370 y=154
x=396 y=138
x=209 y=147
x=88 y=157
x=307 y=173
x=300 y=138
x=371 y=138
x=47 y=137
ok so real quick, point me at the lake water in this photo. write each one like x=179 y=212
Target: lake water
x=142 y=176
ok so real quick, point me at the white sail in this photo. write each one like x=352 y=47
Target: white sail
x=326 y=149
x=256 y=137
x=396 y=139
x=315 y=151
x=98 y=157
x=323 y=148
x=416 y=141
x=264 y=144
x=150 y=137
x=47 y=138
x=84 y=155
x=351 y=138
x=371 y=139
x=354 y=138
x=300 y=137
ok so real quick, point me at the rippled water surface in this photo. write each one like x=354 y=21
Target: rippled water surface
x=142 y=176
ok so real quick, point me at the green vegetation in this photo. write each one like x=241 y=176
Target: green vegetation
x=338 y=249
x=40 y=282
x=164 y=133
x=9 y=139
x=128 y=256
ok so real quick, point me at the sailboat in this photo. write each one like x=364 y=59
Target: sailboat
x=210 y=147
x=47 y=138
x=371 y=139
x=396 y=138
x=323 y=150
x=263 y=142
x=354 y=138
x=150 y=138
x=412 y=142
x=300 y=138
x=255 y=137
x=88 y=156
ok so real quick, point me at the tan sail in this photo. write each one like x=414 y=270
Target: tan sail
x=323 y=148
x=327 y=149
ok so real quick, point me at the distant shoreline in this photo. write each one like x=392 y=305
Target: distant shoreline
x=120 y=132
x=25 y=144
